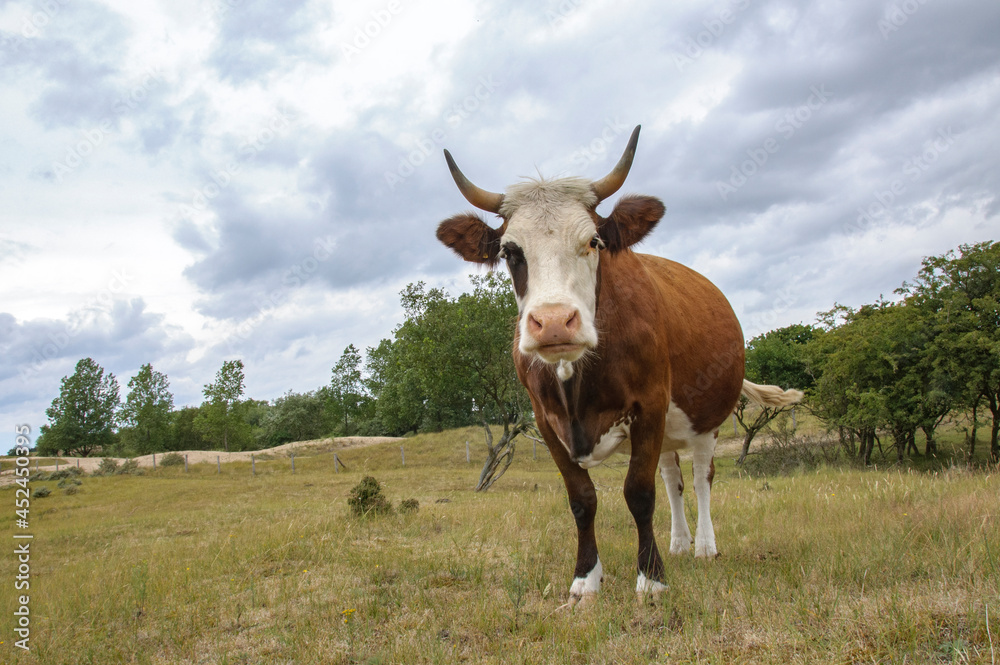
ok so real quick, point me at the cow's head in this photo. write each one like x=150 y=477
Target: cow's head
x=551 y=238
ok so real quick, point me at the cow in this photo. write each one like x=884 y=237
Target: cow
x=620 y=352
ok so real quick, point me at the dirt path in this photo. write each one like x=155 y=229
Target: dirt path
x=90 y=464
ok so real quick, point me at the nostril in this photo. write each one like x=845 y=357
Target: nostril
x=534 y=323
x=574 y=321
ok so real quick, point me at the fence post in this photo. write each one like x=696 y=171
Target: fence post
x=534 y=449
x=736 y=432
x=335 y=461
x=219 y=464
x=185 y=463
x=57 y=465
x=154 y=461
x=78 y=463
x=468 y=460
x=293 y=463
x=793 y=417
x=253 y=465
x=402 y=455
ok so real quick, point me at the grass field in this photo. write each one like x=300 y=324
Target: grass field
x=827 y=566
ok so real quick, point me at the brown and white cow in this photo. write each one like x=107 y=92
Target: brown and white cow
x=619 y=351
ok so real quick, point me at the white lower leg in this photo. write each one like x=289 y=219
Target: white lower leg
x=644 y=585
x=680 y=534
x=589 y=585
x=704 y=539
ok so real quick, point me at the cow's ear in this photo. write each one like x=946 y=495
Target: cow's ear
x=471 y=238
x=631 y=221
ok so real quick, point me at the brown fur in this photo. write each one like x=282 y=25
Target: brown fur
x=471 y=238
x=631 y=220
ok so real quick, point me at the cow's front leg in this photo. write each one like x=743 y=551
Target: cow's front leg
x=589 y=573
x=640 y=496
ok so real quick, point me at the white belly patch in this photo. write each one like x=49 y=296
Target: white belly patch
x=608 y=443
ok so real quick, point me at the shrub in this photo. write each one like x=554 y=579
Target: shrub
x=367 y=497
x=41 y=493
x=72 y=489
x=69 y=482
x=128 y=467
x=107 y=467
x=785 y=452
x=409 y=506
x=172 y=459
x=68 y=472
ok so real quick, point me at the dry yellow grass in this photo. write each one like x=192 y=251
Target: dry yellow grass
x=823 y=567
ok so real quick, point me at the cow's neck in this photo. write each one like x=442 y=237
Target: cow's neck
x=576 y=390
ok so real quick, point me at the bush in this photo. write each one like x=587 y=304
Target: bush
x=41 y=493
x=172 y=459
x=409 y=506
x=129 y=467
x=785 y=453
x=68 y=472
x=69 y=482
x=367 y=497
x=72 y=489
x=107 y=467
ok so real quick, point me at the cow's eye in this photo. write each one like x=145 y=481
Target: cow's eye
x=596 y=242
x=511 y=253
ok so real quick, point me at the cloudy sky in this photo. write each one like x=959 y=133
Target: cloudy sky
x=183 y=183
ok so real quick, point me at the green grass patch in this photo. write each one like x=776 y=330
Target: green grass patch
x=826 y=566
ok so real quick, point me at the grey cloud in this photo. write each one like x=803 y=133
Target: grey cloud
x=258 y=37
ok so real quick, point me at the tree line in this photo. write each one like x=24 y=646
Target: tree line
x=876 y=375
x=447 y=365
x=880 y=374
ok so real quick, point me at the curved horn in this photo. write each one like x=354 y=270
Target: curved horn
x=612 y=182
x=482 y=199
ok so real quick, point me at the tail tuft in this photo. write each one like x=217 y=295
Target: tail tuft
x=771 y=395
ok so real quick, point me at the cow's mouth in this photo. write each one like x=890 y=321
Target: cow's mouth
x=557 y=352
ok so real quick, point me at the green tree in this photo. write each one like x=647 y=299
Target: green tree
x=184 y=434
x=959 y=295
x=221 y=418
x=295 y=417
x=876 y=375
x=449 y=364
x=145 y=415
x=82 y=418
x=347 y=390
x=777 y=357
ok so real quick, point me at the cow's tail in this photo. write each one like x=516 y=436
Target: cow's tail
x=771 y=395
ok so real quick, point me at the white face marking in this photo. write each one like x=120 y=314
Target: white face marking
x=590 y=584
x=550 y=222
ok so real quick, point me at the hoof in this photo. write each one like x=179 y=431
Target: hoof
x=705 y=551
x=648 y=591
x=578 y=602
x=680 y=546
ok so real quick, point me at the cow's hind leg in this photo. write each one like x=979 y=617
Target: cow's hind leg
x=670 y=471
x=703 y=453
